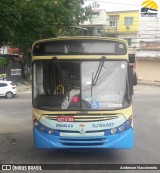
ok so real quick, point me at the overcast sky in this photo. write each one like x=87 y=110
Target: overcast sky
x=119 y=5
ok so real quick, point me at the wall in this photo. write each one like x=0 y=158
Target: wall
x=97 y=24
x=148 y=49
x=100 y=19
x=121 y=30
x=148 y=69
x=148 y=37
x=121 y=27
x=132 y=28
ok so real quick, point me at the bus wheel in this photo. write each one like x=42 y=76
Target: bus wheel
x=9 y=95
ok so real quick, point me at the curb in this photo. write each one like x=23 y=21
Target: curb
x=149 y=83
x=24 y=91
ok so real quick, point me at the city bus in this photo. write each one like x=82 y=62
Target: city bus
x=82 y=93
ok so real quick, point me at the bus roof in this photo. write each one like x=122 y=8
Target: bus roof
x=81 y=37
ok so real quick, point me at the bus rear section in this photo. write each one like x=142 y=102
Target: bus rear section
x=82 y=94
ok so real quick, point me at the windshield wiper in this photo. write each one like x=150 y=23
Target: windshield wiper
x=56 y=62
x=99 y=69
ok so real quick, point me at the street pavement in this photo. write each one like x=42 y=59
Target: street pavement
x=16 y=139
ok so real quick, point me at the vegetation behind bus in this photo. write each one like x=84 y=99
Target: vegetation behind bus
x=23 y=22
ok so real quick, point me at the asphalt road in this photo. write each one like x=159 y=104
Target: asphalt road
x=16 y=140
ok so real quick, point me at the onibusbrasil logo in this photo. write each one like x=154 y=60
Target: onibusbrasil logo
x=149 y=8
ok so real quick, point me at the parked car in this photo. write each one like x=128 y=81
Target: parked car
x=7 y=89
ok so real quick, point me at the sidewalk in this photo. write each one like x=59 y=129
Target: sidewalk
x=150 y=83
x=24 y=88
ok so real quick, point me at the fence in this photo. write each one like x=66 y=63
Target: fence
x=13 y=72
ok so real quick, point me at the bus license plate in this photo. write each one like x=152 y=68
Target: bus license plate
x=65 y=118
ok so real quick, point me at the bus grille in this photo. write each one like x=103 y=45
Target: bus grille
x=84 y=118
x=82 y=141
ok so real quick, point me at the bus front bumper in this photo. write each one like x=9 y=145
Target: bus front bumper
x=122 y=140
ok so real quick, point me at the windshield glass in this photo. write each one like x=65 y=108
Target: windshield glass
x=68 y=85
x=110 y=88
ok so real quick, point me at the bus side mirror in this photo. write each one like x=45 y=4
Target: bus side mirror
x=132 y=58
x=132 y=64
x=131 y=81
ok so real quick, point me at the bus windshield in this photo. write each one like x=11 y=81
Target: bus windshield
x=68 y=85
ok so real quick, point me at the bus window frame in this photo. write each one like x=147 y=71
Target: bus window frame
x=128 y=87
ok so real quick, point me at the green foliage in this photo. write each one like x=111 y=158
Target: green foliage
x=9 y=18
x=23 y=82
x=24 y=21
x=3 y=62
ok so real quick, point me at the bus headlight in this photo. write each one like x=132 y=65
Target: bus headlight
x=128 y=122
x=42 y=128
x=50 y=131
x=35 y=123
x=121 y=128
x=113 y=131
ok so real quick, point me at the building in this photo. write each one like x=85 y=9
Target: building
x=12 y=66
x=4 y=50
x=96 y=25
x=148 y=36
x=124 y=24
x=141 y=33
x=148 y=48
x=8 y=50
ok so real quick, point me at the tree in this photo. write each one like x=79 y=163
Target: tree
x=9 y=18
x=24 y=21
